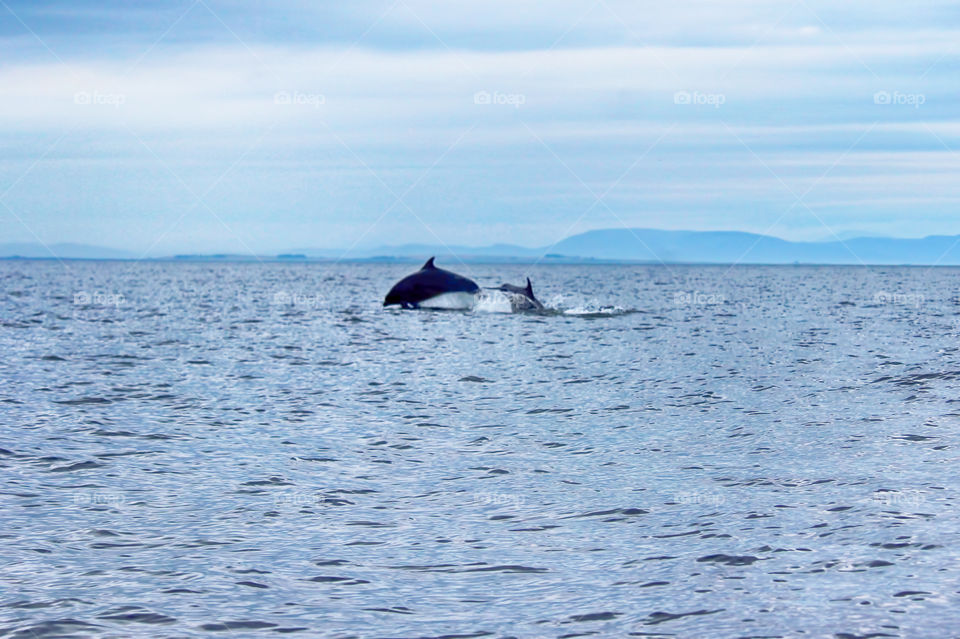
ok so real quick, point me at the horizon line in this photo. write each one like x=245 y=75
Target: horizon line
x=443 y=246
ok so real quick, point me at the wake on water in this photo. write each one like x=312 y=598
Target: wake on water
x=494 y=301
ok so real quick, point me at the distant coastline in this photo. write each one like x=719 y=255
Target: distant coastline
x=604 y=246
x=381 y=259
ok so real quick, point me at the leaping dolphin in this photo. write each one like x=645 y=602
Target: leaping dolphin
x=433 y=287
x=521 y=299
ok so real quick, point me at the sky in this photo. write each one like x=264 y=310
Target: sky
x=262 y=126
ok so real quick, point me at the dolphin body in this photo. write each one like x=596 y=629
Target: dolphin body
x=433 y=287
x=521 y=299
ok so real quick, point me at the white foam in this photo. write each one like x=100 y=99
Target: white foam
x=583 y=308
x=459 y=301
x=595 y=309
x=493 y=302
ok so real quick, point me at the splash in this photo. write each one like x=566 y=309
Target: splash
x=596 y=310
x=450 y=302
x=558 y=304
x=492 y=302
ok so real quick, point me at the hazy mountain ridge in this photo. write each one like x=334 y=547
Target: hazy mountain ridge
x=64 y=250
x=619 y=245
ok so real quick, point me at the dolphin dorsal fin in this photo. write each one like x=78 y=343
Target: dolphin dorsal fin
x=428 y=265
x=529 y=288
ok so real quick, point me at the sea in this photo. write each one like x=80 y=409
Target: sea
x=246 y=449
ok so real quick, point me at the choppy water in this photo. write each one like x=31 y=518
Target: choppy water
x=258 y=449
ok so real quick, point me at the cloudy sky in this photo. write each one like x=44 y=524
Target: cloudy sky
x=221 y=125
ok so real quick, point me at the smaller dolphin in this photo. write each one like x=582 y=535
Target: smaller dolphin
x=521 y=299
x=433 y=287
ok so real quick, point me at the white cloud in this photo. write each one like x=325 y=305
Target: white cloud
x=797 y=87
x=224 y=87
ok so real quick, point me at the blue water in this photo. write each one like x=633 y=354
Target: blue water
x=193 y=450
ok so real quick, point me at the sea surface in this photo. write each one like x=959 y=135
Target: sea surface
x=260 y=449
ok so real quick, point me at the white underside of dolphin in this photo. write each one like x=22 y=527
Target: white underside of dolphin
x=459 y=301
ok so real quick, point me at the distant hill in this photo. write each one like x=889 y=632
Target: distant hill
x=604 y=245
x=726 y=247
x=64 y=251
x=418 y=250
x=697 y=247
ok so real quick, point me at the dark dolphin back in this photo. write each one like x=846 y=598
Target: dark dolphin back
x=428 y=282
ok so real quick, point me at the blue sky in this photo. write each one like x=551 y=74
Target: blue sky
x=206 y=125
